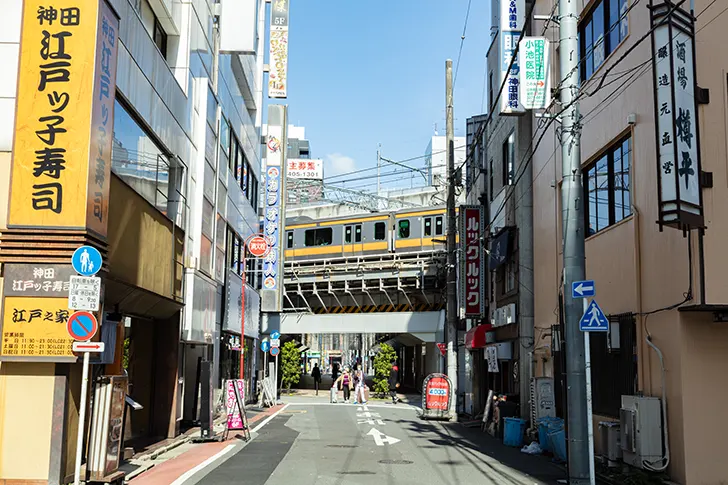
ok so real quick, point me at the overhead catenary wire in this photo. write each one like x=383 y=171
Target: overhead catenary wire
x=462 y=42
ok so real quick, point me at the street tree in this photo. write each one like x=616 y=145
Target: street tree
x=290 y=365
x=382 y=368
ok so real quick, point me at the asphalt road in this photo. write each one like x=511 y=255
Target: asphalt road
x=341 y=444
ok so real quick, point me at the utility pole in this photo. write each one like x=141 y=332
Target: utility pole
x=572 y=222
x=452 y=304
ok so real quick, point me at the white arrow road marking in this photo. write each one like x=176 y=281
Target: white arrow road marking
x=368 y=415
x=381 y=439
x=371 y=422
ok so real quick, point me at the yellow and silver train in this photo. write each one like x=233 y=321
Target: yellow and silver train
x=407 y=230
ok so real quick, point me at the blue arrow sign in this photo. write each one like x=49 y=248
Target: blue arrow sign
x=275 y=335
x=265 y=346
x=86 y=260
x=594 y=319
x=583 y=289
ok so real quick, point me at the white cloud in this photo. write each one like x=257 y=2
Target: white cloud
x=337 y=164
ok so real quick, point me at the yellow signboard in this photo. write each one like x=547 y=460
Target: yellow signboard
x=35 y=327
x=64 y=116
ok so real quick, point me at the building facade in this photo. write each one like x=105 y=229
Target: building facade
x=663 y=290
x=175 y=182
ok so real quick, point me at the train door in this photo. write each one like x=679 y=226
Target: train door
x=353 y=244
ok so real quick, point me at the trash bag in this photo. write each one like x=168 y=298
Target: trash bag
x=532 y=449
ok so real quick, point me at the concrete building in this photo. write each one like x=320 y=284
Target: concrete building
x=664 y=291
x=172 y=194
x=436 y=161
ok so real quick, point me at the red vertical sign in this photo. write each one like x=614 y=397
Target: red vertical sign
x=472 y=262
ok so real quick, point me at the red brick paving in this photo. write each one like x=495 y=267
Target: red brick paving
x=168 y=471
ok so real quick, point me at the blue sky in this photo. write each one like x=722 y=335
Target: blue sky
x=363 y=73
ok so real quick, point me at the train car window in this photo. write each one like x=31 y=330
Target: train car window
x=404 y=228
x=319 y=237
x=380 y=231
x=347 y=234
x=289 y=243
x=428 y=226
x=438 y=225
x=357 y=233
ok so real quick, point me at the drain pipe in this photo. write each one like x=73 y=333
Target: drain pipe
x=666 y=458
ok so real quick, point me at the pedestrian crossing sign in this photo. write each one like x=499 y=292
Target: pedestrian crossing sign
x=593 y=319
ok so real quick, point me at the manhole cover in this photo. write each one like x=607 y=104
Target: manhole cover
x=357 y=473
x=342 y=446
x=395 y=462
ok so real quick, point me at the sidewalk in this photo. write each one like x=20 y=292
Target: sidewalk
x=169 y=465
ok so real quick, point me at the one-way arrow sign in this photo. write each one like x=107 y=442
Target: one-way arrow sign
x=380 y=438
x=96 y=347
x=583 y=289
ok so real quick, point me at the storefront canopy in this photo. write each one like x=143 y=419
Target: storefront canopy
x=475 y=338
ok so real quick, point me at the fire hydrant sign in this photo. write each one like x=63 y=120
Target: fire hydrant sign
x=533 y=59
x=84 y=293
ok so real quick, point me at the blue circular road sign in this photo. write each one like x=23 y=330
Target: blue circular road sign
x=87 y=260
x=265 y=346
x=275 y=351
x=275 y=335
x=82 y=326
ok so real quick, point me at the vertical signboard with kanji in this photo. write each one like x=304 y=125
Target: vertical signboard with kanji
x=64 y=116
x=535 y=79
x=278 y=50
x=676 y=114
x=512 y=14
x=472 y=263
x=274 y=210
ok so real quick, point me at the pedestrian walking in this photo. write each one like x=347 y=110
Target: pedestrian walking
x=316 y=374
x=347 y=384
x=394 y=382
x=360 y=386
x=335 y=372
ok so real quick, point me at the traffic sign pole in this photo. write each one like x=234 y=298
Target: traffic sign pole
x=589 y=419
x=81 y=421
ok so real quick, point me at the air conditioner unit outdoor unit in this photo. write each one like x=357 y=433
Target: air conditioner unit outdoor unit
x=640 y=420
x=610 y=441
x=543 y=403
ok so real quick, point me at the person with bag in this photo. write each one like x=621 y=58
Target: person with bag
x=347 y=384
x=359 y=386
x=394 y=382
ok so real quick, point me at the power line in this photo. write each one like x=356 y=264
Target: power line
x=462 y=41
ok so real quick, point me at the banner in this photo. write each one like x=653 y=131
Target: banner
x=274 y=209
x=535 y=79
x=512 y=13
x=64 y=116
x=278 y=50
x=472 y=263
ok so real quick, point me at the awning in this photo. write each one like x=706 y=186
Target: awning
x=499 y=249
x=475 y=338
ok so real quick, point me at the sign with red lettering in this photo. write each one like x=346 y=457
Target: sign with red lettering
x=472 y=263
x=258 y=246
x=442 y=348
x=436 y=395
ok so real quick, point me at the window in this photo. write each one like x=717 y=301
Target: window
x=491 y=179
x=438 y=226
x=428 y=226
x=380 y=231
x=607 y=187
x=509 y=147
x=289 y=242
x=319 y=237
x=404 y=228
x=357 y=233
x=151 y=23
x=347 y=234
x=490 y=90
x=600 y=32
